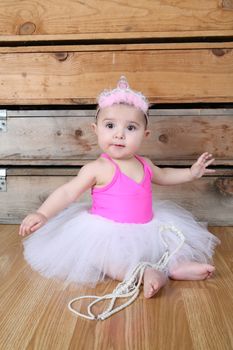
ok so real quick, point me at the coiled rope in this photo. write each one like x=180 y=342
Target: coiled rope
x=129 y=288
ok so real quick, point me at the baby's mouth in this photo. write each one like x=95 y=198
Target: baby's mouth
x=118 y=145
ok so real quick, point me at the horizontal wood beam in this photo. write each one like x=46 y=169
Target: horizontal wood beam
x=204 y=197
x=164 y=76
x=66 y=138
x=83 y=20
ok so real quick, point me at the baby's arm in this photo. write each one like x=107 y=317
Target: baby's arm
x=60 y=199
x=173 y=176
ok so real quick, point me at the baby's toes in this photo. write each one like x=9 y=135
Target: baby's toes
x=210 y=274
x=209 y=271
x=149 y=291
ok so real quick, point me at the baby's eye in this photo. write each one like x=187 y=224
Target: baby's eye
x=131 y=127
x=109 y=125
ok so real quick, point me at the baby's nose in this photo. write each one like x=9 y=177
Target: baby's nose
x=120 y=134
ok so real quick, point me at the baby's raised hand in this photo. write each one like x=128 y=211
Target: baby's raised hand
x=31 y=223
x=198 y=169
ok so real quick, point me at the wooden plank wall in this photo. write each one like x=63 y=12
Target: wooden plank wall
x=76 y=75
x=209 y=198
x=66 y=138
x=91 y=19
x=62 y=54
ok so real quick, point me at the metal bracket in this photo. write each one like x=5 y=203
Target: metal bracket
x=3 y=120
x=2 y=180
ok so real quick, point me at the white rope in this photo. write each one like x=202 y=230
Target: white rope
x=129 y=288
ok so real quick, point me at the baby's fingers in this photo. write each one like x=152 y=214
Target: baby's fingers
x=205 y=159
x=209 y=171
x=207 y=163
x=23 y=228
x=26 y=226
x=35 y=227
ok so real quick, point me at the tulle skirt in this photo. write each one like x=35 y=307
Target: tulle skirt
x=80 y=247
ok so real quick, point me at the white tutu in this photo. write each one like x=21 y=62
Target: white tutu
x=80 y=247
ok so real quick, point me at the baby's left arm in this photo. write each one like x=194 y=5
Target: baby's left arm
x=173 y=176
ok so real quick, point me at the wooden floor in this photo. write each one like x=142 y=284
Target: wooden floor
x=184 y=315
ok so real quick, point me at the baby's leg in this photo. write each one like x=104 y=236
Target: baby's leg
x=191 y=271
x=153 y=281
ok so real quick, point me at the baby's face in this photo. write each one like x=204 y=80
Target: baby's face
x=120 y=130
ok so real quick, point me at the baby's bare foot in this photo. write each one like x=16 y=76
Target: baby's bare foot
x=153 y=281
x=191 y=271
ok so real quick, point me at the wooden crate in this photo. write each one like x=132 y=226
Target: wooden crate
x=165 y=73
x=65 y=53
x=65 y=137
x=55 y=138
x=210 y=198
x=85 y=20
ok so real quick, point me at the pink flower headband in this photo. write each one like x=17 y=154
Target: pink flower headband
x=123 y=94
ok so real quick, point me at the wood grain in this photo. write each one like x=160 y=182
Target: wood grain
x=184 y=315
x=66 y=137
x=23 y=20
x=26 y=192
x=218 y=333
x=64 y=49
x=198 y=75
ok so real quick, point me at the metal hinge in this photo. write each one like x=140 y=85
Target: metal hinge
x=2 y=180
x=3 y=122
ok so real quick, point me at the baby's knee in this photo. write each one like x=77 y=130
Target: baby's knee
x=172 y=271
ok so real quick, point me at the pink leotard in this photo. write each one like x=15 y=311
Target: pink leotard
x=123 y=199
